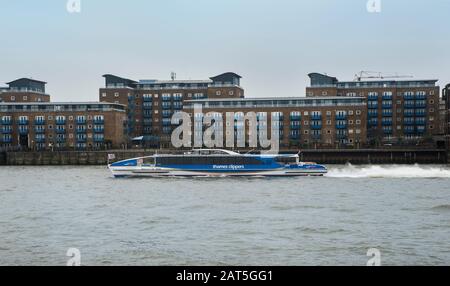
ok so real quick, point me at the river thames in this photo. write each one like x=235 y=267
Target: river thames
x=403 y=211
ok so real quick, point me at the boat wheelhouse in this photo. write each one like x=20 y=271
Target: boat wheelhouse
x=215 y=162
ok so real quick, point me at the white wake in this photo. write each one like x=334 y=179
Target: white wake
x=389 y=171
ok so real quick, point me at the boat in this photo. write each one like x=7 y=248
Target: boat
x=215 y=163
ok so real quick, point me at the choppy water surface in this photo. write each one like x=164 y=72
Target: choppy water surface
x=404 y=211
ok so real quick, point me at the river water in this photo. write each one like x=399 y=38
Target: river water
x=403 y=211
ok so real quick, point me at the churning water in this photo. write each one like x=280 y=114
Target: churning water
x=404 y=211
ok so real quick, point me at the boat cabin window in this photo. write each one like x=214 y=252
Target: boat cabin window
x=286 y=160
x=208 y=160
x=148 y=161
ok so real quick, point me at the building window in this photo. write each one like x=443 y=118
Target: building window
x=116 y=94
x=25 y=98
x=328 y=113
x=103 y=94
x=305 y=113
x=13 y=98
x=358 y=112
x=328 y=122
x=431 y=109
x=350 y=112
x=358 y=122
x=431 y=101
x=306 y=131
x=324 y=93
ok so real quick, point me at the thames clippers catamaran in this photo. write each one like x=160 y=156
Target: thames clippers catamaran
x=215 y=162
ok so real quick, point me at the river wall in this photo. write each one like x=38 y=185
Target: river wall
x=366 y=156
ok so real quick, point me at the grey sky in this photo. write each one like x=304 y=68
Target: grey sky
x=272 y=44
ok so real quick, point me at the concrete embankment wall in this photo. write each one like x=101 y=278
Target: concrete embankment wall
x=319 y=156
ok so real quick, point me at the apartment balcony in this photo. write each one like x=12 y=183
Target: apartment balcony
x=420 y=113
x=421 y=105
x=81 y=121
x=386 y=122
x=341 y=136
x=166 y=98
x=81 y=130
x=387 y=113
x=99 y=129
x=147 y=115
x=408 y=122
x=39 y=122
x=6 y=130
x=408 y=114
x=409 y=131
x=386 y=106
x=178 y=106
x=60 y=130
x=421 y=129
x=167 y=114
x=316 y=136
x=7 y=122
x=316 y=126
x=81 y=139
x=409 y=105
x=372 y=97
x=23 y=131
x=408 y=97
x=147 y=107
x=99 y=121
x=295 y=117
x=421 y=96
x=60 y=140
x=294 y=136
x=6 y=140
x=372 y=106
x=387 y=97
x=341 y=126
x=40 y=140
x=316 y=117
x=373 y=123
x=23 y=122
x=372 y=114
x=99 y=139
x=387 y=131
x=166 y=106
x=147 y=123
x=39 y=130
x=60 y=122
x=147 y=99
x=420 y=121
x=166 y=123
x=295 y=127
x=341 y=117
x=177 y=98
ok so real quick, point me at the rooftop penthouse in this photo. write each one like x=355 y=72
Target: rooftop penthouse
x=225 y=79
x=277 y=102
x=322 y=80
x=60 y=106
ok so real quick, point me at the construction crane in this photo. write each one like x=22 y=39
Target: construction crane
x=378 y=75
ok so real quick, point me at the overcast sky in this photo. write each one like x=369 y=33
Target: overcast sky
x=273 y=44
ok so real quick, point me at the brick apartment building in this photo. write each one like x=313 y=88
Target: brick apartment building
x=28 y=120
x=325 y=122
x=151 y=103
x=398 y=111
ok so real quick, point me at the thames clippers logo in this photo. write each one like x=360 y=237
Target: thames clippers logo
x=229 y=167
